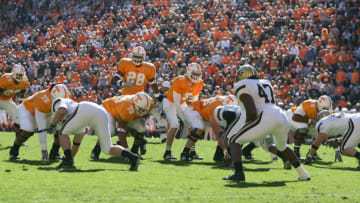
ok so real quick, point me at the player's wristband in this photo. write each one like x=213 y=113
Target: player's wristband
x=156 y=95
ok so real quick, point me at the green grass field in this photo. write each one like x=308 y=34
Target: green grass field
x=108 y=180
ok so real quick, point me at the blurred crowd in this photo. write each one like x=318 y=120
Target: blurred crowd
x=306 y=48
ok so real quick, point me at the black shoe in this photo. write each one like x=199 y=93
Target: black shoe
x=95 y=154
x=13 y=154
x=308 y=161
x=55 y=156
x=134 y=162
x=316 y=157
x=66 y=164
x=168 y=155
x=248 y=155
x=235 y=177
x=185 y=156
x=194 y=155
x=143 y=147
x=219 y=154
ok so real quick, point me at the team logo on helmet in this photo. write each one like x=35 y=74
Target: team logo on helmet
x=193 y=71
x=59 y=91
x=138 y=55
x=324 y=103
x=18 y=72
x=142 y=103
x=247 y=71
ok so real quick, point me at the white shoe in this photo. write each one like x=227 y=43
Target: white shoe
x=305 y=176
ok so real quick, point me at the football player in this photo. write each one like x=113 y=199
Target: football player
x=36 y=109
x=262 y=117
x=73 y=117
x=348 y=124
x=329 y=126
x=182 y=88
x=201 y=113
x=135 y=74
x=126 y=111
x=305 y=116
x=13 y=83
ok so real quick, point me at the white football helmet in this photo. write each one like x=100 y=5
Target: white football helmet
x=230 y=100
x=323 y=114
x=324 y=103
x=59 y=91
x=193 y=71
x=138 y=55
x=18 y=72
x=142 y=103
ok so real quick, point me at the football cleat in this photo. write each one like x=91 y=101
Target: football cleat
x=13 y=155
x=305 y=178
x=287 y=165
x=185 y=157
x=239 y=177
x=308 y=161
x=95 y=154
x=44 y=155
x=55 y=156
x=66 y=164
x=194 y=155
x=168 y=155
x=143 y=147
x=316 y=157
x=134 y=162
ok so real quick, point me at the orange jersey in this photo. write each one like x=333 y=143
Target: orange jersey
x=309 y=107
x=123 y=107
x=206 y=107
x=40 y=100
x=138 y=77
x=182 y=85
x=7 y=83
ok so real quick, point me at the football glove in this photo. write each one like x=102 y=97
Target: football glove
x=334 y=142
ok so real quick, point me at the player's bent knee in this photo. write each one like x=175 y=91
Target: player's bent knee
x=24 y=135
x=196 y=134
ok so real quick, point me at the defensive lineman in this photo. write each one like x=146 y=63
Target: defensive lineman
x=263 y=117
x=73 y=117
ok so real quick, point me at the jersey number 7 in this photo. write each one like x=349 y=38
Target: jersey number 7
x=269 y=97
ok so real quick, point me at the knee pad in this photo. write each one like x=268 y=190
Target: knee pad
x=195 y=137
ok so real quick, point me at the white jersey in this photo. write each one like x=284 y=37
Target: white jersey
x=334 y=125
x=68 y=104
x=219 y=114
x=260 y=90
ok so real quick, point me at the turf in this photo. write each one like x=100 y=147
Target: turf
x=108 y=180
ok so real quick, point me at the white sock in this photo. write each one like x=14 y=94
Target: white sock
x=43 y=140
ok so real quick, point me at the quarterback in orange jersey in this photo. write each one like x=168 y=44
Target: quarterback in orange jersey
x=136 y=73
x=37 y=109
x=126 y=114
x=307 y=115
x=197 y=114
x=11 y=84
x=182 y=89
